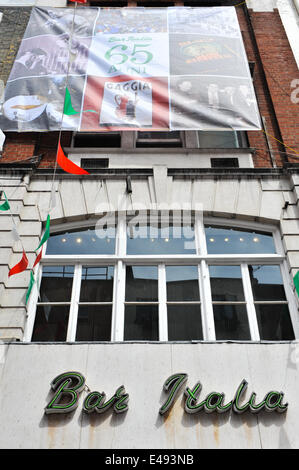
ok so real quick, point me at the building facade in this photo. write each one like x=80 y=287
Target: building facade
x=173 y=259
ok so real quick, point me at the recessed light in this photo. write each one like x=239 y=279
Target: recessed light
x=166 y=240
x=256 y=239
x=212 y=240
x=241 y=239
x=226 y=239
x=63 y=240
x=79 y=240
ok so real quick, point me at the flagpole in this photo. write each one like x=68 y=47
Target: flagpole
x=61 y=122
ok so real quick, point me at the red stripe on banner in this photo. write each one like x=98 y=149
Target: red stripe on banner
x=19 y=267
x=67 y=165
x=79 y=1
x=38 y=258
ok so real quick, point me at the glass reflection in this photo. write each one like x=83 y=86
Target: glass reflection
x=154 y=239
x=83 y=242
x=50 y=323
x=97 y=284
x=184 y=323
x=222 y=240
x=266 y=282
x=56 y=284
x=94 y=323
x=141 y=323
x=231 y=322
x=182 y=283
x=274 y=322
x=141 y=283
x=226 y=283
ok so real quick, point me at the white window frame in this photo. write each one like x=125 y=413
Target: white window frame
x=201 y=259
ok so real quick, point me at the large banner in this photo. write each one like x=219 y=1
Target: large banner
x=99 y=69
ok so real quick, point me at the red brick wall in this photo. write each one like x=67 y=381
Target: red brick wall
x=280 y=69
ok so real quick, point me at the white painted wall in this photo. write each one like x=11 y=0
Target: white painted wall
x=26 y=371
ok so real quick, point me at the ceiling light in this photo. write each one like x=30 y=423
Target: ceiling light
x=212 y=240
x=256 y=239
x=79 y=240
x=226 y=239
x=63 y=240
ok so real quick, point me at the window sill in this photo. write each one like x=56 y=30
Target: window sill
x=228 y=341
x=143 y=150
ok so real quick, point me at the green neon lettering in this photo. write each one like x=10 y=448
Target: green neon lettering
x=253 y=407
x=68 y=384
x=191 y=405
x=236 y=406
x=209 y=405
x=269 y=406
x=95 y=401
x=174 y=383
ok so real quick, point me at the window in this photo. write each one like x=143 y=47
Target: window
x=222 y=139
x=159 y=139
x=224 y=163
x=157 y=278
x=96 y=140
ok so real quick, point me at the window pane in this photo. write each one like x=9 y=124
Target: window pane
x=266 y=282
x=184 y=322
x=94 y=323
x=142 y=283
x=274 y=322
x=221 y=240
x=97 y=284
x=141 y=322
x=218 y=139
x=95 y=242
x=182 y=283
x=56 y=284
x=226 y=283
x=231 y=322
x=50 y=323
x=153 y=239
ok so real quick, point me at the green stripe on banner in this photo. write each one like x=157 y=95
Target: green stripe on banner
x=46 y=234
x=296 y=282
x=68 y=109
x=31 y=282
x=5 y=206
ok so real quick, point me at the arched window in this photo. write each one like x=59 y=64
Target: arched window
x=145 y=277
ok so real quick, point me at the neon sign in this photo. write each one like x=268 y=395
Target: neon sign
x=68 y=386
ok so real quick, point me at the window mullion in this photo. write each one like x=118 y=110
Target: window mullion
x=163 y=324
x=200 y=236
x=32 y=305
x=73 y=315
x=118 y=316
x=252 y=320
x=208 y=325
